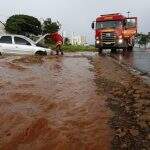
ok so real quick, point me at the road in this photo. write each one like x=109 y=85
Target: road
x=139 y=59
x=80 y=101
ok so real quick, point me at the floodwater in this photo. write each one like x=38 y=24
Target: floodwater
x=51 y=103
x=139 y=59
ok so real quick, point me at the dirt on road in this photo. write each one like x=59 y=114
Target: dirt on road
x=128 y=98
x=75 y=102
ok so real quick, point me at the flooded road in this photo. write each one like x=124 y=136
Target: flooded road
x=139 y=59
x=81 y=101
x=51 y=103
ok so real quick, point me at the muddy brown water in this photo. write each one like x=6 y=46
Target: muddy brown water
x=51 y=103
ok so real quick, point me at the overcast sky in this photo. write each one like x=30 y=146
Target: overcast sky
x=77 y=15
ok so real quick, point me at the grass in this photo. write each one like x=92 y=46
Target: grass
x=75 y=48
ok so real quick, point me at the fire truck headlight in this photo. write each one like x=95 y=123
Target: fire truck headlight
x=120 y=37
x=120 y=41
x=97 y=42
x=97 y=38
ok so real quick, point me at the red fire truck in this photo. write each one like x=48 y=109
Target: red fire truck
x=115 y=31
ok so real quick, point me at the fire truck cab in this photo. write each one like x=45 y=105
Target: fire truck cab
x=115 y=31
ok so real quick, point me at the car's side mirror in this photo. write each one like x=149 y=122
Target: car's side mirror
x=92 y=25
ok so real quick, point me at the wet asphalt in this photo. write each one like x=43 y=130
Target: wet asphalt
x=138 y=59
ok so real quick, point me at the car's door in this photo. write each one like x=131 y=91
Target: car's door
x=6 y=44
x=23 y=46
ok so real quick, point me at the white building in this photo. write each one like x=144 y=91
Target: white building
x=148 y=45
x=77 y=39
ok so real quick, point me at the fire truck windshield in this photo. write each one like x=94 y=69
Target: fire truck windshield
x=108 y=24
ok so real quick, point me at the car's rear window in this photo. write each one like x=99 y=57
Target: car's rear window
x=6 y=39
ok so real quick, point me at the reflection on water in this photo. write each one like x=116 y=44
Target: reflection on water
x=138 y=59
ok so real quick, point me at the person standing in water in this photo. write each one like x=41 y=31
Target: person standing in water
x=58 y=40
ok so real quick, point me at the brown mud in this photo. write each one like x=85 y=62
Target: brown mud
x=75 y=102
x=51 y=103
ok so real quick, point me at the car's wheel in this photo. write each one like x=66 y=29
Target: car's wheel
x=0 y=54
x=113 y=50
x=100 y=50
x=130 y=48
x=41 y=53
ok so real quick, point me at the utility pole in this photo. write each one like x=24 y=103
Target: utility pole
x=128 y=13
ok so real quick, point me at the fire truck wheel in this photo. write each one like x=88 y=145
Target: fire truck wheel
x=113 y=50
x=100 y=50
x=130 y=48
x=124 y=49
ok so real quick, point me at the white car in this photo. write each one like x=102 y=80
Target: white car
x=18 y=44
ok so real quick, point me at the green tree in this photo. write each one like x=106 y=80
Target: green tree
x=23 y=24
x=50 y=27
x=143 y=40
x=67 y=41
